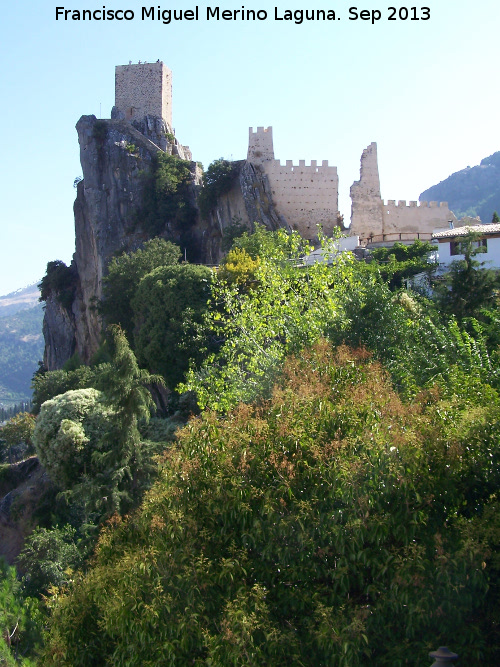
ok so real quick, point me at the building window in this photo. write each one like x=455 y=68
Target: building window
x=456 y=247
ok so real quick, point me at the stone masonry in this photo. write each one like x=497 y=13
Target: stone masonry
x=376 y=221
x=305 y=195
x=144 y=89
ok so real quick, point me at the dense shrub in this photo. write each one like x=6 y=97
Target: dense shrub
x=67 y=432
x=330 y=526
x=217 y=181
x=124 y=275
x=167 y=197
x=59 y=280
x=48 y=558
x=169 y=307
x=52 y=383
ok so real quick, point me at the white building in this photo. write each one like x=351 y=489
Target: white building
x=449 y=241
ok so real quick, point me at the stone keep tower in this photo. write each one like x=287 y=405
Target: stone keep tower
x=144 y=89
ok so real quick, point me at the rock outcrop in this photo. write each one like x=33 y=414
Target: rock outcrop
x=116 y=159
x=249 y=201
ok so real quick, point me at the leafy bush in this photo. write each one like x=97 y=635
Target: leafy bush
x=167 y=196
x=402 y=261
x=59 y=280
x=169 y=308
x=48 y=558
x=239 y=267
x=217 y=181
x=233 y=231
x=20 y=621
x=68 y=430
x=17 y=433
x=124 y=275
x=333 y=525
x=52 y=383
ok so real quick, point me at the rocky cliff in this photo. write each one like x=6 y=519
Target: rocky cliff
x=118 y=161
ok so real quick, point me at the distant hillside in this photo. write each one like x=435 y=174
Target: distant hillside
x=21 y=343
x=474 y=191
x=21 y=299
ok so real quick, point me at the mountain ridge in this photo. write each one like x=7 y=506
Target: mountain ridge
x=473 y=191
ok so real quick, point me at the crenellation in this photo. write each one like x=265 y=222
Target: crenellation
x=305 y=195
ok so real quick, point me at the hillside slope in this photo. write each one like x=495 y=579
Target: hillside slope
x=21 y=347
x=474 y=191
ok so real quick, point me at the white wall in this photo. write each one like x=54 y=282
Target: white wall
x=491 y=258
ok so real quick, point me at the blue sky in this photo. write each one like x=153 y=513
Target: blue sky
x=426 y=91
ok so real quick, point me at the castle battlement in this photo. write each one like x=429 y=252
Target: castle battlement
x=305 y=195
x=391 y=203
x=303 y=168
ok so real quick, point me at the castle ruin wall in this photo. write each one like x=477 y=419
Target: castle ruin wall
x=423 y=218
x=374 y=220
x=305 y=195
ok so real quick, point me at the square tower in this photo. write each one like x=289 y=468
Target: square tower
x=144 y=89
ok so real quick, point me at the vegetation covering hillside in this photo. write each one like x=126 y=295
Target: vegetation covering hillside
x=21 y=348
x=474 y=191
x=320 y=488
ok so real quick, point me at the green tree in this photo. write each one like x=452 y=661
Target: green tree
x=88 y=439
x=67 y=432
x=59 y=280
x=122 y=467
x=496 y=218
x=468 y=286
x=169 y=307
x=52 y=383
x=19 y=431
x=20 y=621
x=125 y=272
x=167 y=198
x=217 y=180
x=48 y=558
x=402 y=261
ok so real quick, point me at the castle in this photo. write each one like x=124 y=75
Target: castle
x=303 y=196
x=306 y=196
x=142 y=90
x=377 y=222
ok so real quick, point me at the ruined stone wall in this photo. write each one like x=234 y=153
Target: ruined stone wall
x=366 y=211
x=380 y=221
x=305 y=196
x=144 y=89
x=423 y=218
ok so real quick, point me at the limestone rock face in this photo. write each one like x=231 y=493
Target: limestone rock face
x=248 y=202
x=115 y=158
x=59 y=333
